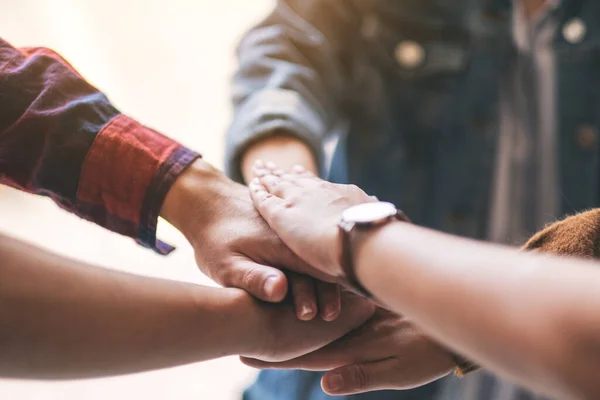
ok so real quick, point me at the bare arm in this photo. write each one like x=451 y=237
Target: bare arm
x=62 y=319
x=531 y=317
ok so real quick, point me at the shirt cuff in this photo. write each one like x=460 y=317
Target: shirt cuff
x=125 y=177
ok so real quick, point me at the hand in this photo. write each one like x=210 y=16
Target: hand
x=304 y=211
x=236 y=248
x=387 y=352
x=282 y=337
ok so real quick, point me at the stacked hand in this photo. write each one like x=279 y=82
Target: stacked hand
x=304 y=211
x=235 y=247
x=387 y=352
x=292 y=226
x=277 y=335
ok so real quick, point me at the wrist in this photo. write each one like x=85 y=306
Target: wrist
x=234 y=312
x=283 y=149
x=363 y=244
x=249 y=317
x=357 y=224
x=193 y=197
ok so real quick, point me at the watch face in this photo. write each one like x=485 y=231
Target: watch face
x=369 y=212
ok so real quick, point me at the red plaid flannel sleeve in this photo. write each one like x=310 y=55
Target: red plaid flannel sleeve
x=61 y=137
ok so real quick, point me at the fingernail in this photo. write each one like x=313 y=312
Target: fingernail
x=271 y=165
x=335 y=382
x=269 y=286
x=330 y=312
x=305 y=310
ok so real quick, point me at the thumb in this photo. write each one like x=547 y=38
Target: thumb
x=261 y=281
x=360 y=378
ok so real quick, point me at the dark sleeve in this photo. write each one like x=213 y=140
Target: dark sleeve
x=293 y=68
x=61 y=137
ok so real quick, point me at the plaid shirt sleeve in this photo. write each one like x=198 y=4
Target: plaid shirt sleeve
x=62 y=138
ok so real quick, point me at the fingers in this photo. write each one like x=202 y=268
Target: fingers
x=263 y=282
x=278 y=186
x=280 y=183
x=360 y=378
x=288 y=338
x=304 y=295
x=261 y=168
x=268 y=206
x=321 y=360
x=328 y=295
x=354 y=347
x=300 y=170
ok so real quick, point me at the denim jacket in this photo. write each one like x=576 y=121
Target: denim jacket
x=411 y=89
x=409 y=93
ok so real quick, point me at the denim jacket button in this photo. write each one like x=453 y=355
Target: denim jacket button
x=574 y=30
x=587 y=136
x=409 y=54
x=370 y=27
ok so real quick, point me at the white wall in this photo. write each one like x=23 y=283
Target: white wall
x=166 y=63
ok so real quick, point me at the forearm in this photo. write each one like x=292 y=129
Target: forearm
x=525 y=316
x=294 y=69
x=285 y=151
x=60 y=318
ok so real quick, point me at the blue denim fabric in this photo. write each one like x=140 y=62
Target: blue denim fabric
x=304 y=385
x=421 y=136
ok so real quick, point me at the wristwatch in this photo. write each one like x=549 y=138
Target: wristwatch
x=362 y=218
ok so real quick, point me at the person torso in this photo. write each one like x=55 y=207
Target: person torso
x=432 y=81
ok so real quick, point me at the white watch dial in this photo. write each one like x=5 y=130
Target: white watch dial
x=369 y=212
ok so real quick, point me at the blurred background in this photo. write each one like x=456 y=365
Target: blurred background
x=167 y=64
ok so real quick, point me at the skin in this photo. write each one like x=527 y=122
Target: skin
x=543 y=332
x=390 y=344
x=285 y=151
x=63 y=319
x=236 y=248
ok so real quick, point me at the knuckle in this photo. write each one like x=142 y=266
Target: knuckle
x=358 y=377
x=288 y=203
x=324 y=184
x=266 y=200
x=277 y=213
x=250 y=279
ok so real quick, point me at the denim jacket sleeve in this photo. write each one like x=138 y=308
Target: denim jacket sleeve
x=292 y=70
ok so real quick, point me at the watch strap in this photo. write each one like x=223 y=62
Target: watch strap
x=347 y=261
x=463 y=366
x=347 y=246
